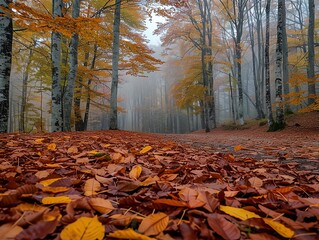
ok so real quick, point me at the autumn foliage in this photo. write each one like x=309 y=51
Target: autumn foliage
x=123 y=185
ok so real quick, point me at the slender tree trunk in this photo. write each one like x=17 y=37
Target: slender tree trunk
x=73 y=63
x=232 y=99
x=56 y=115
x=115 y=64
x=311 y=53
x=25 y=79
x=285 y=66
x=267 y=71
x=88 y=98
x=6 y=34
x=279 y=67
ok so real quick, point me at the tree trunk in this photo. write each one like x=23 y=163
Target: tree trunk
x=311 y=54
x=285 y=67
x=6 y=34
x=268 y=91
x=73 y=63
x=56 y=115
x=115 y=64
x=25 y=78
x=280 y=123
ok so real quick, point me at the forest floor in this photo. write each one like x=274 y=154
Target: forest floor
x=226 y=184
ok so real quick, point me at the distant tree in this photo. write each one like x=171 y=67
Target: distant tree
x=73 y=65
x=56 y=112
x=280 y=122
x=267 y=70
x=115 y=65
x=311 y=54
x=6 y=33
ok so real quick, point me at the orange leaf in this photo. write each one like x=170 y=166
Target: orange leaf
x=171 y=202
x=91 y=186
x=237 y=148
x=51 y=146
x=154 y=224
x=101 y=205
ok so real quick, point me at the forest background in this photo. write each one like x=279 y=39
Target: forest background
x=220 y=62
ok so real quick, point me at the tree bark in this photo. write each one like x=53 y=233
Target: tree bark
x=280 y=123
x=311 y=54
x=115 y=64
x=56 y=115
x=73 y=64
x=285 y=67
x=6 y=34
x=267 y=71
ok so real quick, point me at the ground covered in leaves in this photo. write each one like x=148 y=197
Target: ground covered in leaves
x=124 y=185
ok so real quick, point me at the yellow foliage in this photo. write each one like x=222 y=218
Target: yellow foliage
x=83 y=229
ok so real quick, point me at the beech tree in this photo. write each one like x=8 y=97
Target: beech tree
x=73 y=68
x=115 y=62
x=280 y=122
x=311 y=54
x=267 y=70
x=56 y=112
x=6 y=35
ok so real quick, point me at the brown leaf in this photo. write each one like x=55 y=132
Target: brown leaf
x=223 y=227
x=187 y=194
x=38 y=231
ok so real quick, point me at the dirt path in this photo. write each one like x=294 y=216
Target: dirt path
x=295 y=145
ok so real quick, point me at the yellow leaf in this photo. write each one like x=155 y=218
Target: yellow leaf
x=154 y=224
x=101 y=205
x=55 y=189
x=279 y=228
x=56 y=200
x=237 y=148
x=91 y=186
x=30 y=207
x=146 y=149
x=129 y=234
x=51 y=146
x=9 y=231
x=240 y=213
x=49 y=181
x=135 y=172
x=83 y=229
x=39 y=140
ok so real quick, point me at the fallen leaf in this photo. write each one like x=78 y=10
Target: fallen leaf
x=55 y=200
x=279 y=228
x=146 y=149
x=135 y=172
x=9 y=231
x=51 y=147
x=154 y=224
x=129 y=234
x=83 y=229
x=91 y=187
x=240 y=213
x=224 y=228
x=101 y=205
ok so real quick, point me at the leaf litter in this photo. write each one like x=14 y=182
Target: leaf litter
x=126 y=185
